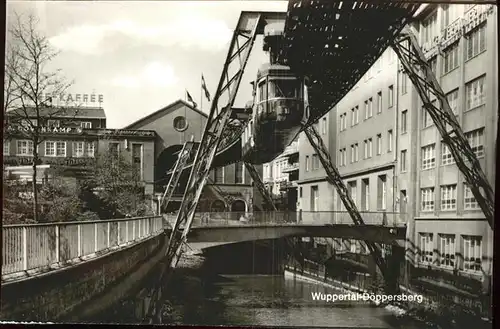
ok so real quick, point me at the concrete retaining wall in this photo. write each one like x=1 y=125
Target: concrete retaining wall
x=54 y=295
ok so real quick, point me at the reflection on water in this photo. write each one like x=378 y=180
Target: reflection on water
x=254 y=300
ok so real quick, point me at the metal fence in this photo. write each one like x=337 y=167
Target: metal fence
x=38 y=246
x=218 y=219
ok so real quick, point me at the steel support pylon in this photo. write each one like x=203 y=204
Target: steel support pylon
x=424 y=80
x=334 y=178
x=214 y=128
x=268 y=198
x=182 y=159
x=260 y=185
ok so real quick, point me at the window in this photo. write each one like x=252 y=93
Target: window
x=368 y=108
x=307 y=163
x=78 y=149
x=403 y=160
x=366 y=149
x=324 y=126
x=53 y=123
x=114 y=149
x=472 y=252
x=470 y=202
x=428 y=156
x=355 y=116
x=219 y=175
x=353 y=192
x=55 y=149
x=343 y=121
x=447 y=250
x=86 y=125
x=180 y=123
x=90 y=149
x=476 y=141
x=137 y=159
x=342 y=157
x=6 y=147
x=404 y=83
x=25 y=147
x=379 y=102
x=379 y=144
x=300 y=192
x=426 y=118
x=352 y=153
x=446 y=156
x=238 y=173
x=365 y=194
x=474 y=93
x=356 y=152
x=370 y=147
x=427 y=199
x=315 y=162
x=433 y=64
x=382 y=192
x=452 y=98
x=389 y=140
x=448 y=197
x=391 y=96
x=426 y=248
x=262 y=90
x=429 y=28
x=450 y=14
x=404 y=121
x=475 y=42
x=314 y=198
x=450 y=60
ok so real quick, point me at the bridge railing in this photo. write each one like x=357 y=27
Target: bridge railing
x=45 y=245
x=220 y=219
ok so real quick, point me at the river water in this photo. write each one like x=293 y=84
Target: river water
x=267 y=300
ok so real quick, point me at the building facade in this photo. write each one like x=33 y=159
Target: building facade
x=392 y=159
x=280 y=176
x=446 y=225
x=71 y=139
x=312 y=177
x=229 y=187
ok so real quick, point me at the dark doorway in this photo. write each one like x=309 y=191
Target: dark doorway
x=238 y=206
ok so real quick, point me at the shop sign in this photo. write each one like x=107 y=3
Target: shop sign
x=119 y=132
x=24 y=161
x=45 y=130
x=472 y=18
x=70 y=99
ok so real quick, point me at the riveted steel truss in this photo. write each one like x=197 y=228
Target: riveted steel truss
x=260 y=185
x=334 y=178
x=181 y=162
x=220 y=111
x=424 y=80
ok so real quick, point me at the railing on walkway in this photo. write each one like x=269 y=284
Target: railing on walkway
x=221 y=219
x=41 y=246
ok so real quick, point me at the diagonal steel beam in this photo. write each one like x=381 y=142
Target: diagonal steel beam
x=210 y=141
x=334 y=177
x=260 y=185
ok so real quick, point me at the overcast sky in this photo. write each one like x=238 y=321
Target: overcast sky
x=143 y=55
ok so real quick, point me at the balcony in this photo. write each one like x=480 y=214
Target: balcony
x=290 y=168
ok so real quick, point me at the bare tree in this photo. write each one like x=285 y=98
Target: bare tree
x=27 y=82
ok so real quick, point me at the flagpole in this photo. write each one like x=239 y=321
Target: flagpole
x=201 y=93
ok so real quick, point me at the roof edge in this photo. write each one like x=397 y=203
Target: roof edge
x=166 y=108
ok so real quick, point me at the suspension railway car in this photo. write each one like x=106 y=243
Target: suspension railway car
x=277 y=113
